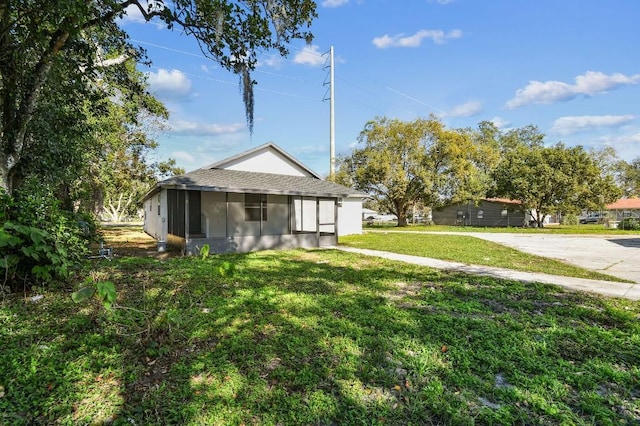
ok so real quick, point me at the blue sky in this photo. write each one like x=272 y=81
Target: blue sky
x=570 y=67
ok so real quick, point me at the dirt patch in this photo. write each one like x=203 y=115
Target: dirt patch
x=131 y=240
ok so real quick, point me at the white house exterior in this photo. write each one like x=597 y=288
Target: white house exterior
x=260 y=199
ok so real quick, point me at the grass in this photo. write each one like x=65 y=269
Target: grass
x=315 y=337
x=587 y=229
x=469 y=250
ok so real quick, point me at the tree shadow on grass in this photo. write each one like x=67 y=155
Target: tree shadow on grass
x=326 y=337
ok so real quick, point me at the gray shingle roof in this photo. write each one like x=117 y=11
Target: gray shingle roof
x=220 y=180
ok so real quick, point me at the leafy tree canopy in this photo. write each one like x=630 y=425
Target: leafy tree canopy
x=628 y=175
x=553 y=179
x=74 y=42
x=403 y=163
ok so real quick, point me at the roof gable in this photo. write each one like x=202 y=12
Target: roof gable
x=267 y=158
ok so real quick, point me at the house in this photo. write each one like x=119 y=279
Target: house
x=485 y=212
x=368 y=213
x=260 y=199
x=623 y=208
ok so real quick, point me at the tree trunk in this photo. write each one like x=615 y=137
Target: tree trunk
x=401 y=211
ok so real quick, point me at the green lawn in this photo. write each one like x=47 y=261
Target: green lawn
x=469 y=250
x=317 y=337
x=588 y=229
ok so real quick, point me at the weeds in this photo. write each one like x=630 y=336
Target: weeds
x=317 y=337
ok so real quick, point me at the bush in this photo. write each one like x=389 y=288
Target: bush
x=569 y=219
x=39 y=242
x=630 y=223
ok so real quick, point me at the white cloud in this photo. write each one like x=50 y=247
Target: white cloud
x=500 y=122
x=334 y=3
x=415 y=40
x=624 y=144
x=310 y=56
x=589 y=84
x=169 y=83
x=467 y=109
x=273 y=61
x=192 y=128
x=312 y=150
x=572 y=124
x=183 y=156
x=442 y=1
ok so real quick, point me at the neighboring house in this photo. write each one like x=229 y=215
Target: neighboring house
x=260 y=199
x=368 y=213
x=625 y=207
x=486 y=212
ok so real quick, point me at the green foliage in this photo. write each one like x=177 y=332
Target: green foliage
x=570 y=219
x=227 y=269
x=40 y=243
x=629 y=223
x=628 y=176
x=318 y=337
x=553 y=179
x=104 y=291
x=204 y=251
x=57 y=67
x=402 y=164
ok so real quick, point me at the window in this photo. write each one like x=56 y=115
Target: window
x=504 y=213
x=460 y=214
x=480 y=214
x=255 y=207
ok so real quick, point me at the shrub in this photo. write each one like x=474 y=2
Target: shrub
x=630 y=223
x=569 y=219
x=39 y=242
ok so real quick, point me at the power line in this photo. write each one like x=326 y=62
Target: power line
x=293 y=78
x=201 y=56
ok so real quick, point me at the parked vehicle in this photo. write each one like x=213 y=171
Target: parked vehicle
x=595 y=217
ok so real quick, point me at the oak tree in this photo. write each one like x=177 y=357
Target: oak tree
x=555 y=179
x=77 y=39
x=404 y=163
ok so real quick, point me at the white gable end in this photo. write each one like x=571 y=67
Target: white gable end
x=267 y=161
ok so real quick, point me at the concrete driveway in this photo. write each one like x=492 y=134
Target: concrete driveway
x=617 y=255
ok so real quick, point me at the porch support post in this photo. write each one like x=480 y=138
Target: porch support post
x=186 y=218
x=335 y=218
x=317 y=222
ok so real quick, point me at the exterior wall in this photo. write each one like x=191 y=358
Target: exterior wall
x=491 y=215
x=267 y=162
x=155 y=213
x=619 y=214
x=350 y=216
x=226 y=230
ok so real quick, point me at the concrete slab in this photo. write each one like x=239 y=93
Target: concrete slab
x=617 y=255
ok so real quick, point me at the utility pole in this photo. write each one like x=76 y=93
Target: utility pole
x=332 y=119
x=332 y=116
